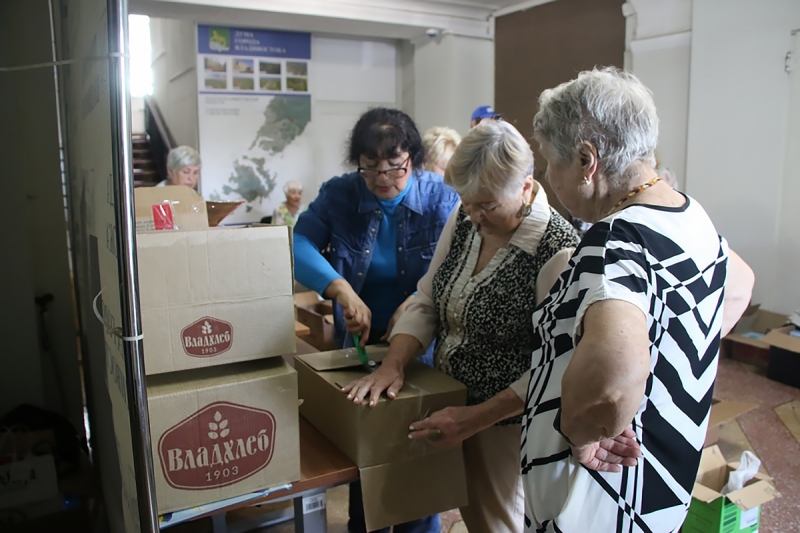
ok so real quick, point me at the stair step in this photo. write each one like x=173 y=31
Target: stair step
x=142 y=162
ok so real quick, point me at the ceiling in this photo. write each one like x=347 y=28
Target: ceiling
x=392 y=19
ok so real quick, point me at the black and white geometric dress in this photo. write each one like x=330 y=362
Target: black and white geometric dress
x=671 y=264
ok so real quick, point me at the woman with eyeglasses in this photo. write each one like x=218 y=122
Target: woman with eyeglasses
x=382 y=223
x=496 y=260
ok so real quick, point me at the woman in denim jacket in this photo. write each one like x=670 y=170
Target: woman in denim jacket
x=382 y=223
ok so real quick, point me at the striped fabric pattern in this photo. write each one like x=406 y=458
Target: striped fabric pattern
x=671 y=264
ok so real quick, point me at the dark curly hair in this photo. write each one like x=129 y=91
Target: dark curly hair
x=382 y=133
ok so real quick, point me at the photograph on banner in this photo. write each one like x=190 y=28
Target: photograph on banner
x=254 y=111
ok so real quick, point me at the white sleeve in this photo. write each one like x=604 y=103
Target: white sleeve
x=420 y=318
x=622 y=273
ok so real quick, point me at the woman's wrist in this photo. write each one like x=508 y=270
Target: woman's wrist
x=499 y=407
x=336 y=288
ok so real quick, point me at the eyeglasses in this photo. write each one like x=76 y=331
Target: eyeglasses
x=392 y=173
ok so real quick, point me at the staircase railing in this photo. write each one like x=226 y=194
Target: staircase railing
x=161 y=140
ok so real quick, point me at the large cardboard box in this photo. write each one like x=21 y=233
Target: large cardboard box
x=746 y=342
x=737 y=512
x=784 y=356
x=722 y=411
x=401 y=479
x=317 y=315
x=215 y=296
x=224 y=431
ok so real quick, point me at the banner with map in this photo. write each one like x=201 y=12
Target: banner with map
x=254 y=112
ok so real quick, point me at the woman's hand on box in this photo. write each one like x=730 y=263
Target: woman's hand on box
x=388 y=377
x=446 y=428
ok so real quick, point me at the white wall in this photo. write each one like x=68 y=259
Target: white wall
x=348 y=76
x=738 y=106
x=658 y=51
x=137 y=114
x=174 y=77
x=452 y=76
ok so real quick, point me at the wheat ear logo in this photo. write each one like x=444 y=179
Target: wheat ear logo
x=219 y=445
x=207 y=337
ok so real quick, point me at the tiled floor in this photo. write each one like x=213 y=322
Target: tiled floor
x=772 y=432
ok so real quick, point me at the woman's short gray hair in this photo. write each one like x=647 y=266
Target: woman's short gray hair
x=292 y=186
x=607 y=107
x=439 y=142
x=493 y=156
x=182 y=156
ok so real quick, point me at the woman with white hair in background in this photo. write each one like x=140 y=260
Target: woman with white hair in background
x=439 y=142
x=626 y=344
x=486 y=278
x=183 y=167
x=286 y=214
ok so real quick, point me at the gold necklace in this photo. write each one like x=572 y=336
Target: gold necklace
x=636 y=191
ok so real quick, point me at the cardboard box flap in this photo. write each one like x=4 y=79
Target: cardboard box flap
x=780 y=338
x=704 y=494
x=335 y=360
x=175 y=382
x=753 y=495
x=303 y=299
x=723 y=410
x=437 y=481
x=759 y=321
x=187 y=209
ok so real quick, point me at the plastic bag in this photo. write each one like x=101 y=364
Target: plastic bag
x=747 y=470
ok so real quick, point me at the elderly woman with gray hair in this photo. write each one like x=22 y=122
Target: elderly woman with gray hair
x=476 y=301
x=183 y=167
x=286 y=214
x=626 y=344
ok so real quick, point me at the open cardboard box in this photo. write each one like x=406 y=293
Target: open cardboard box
x=784 y=356
x=711 y=512
x=401 y=479
x=222 y=432
x=746 y=343
x=210 y=296
x=178 y=207
x=722 y=411
x=317 y=314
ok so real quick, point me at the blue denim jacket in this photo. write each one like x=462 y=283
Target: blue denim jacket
x=346 y=215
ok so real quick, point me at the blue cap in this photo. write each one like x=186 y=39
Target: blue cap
x=484 y=111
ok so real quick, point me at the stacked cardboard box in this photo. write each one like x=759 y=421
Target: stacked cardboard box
x=784 y=355
x=317 y=314
x=221 y=298
x=401 y=479
x=746 y=342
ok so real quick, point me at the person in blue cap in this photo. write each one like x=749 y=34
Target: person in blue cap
x=480 y=113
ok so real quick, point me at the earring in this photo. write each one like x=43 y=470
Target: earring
x=586 y=180
x=524 y=210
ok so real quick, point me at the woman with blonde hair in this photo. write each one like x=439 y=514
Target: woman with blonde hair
x=439 y=142
x=496 y=259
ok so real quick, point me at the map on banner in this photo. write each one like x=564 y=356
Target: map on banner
x=254 y=116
